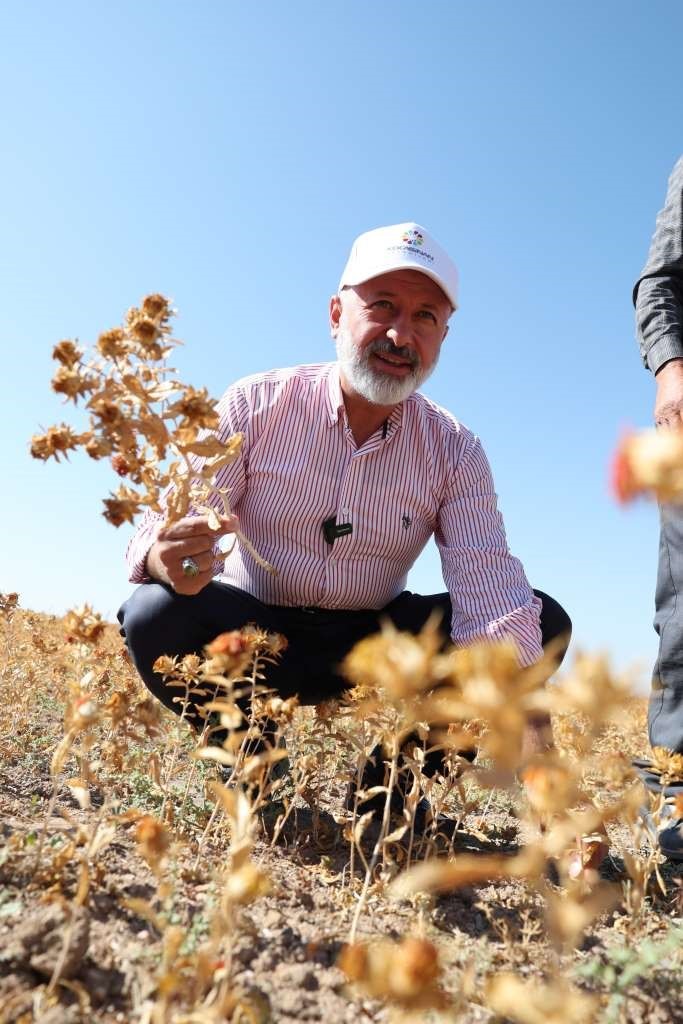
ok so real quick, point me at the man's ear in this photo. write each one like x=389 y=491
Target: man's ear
x=335 y=314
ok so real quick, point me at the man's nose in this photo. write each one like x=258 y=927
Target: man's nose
x=400 y=332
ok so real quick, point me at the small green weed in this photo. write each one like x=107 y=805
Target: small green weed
x=622 y=967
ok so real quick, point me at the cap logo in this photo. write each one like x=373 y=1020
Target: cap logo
x=412 y=241
x=412 y=237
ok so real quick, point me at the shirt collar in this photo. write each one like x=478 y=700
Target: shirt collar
x=335 y=399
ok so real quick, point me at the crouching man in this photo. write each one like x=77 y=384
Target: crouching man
x=345 y=472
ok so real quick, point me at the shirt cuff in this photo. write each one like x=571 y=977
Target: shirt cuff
x=138 y=569
x=666 y=348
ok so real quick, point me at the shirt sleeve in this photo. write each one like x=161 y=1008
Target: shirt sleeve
x=658 y=292
x=234 y=416
x=490 y=594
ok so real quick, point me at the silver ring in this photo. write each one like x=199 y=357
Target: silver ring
x=189 y=567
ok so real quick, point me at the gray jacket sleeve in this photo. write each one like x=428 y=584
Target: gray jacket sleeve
x=658 y=293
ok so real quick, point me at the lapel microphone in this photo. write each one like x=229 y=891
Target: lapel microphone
x=332 y=530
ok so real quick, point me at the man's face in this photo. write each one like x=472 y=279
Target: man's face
x=389 y=332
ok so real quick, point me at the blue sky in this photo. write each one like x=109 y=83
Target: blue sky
x=227 y=154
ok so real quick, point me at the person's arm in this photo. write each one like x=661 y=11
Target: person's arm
x=234 y=416
x=490 y=594
x=658 y=298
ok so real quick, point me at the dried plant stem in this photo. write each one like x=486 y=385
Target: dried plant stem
x=393 y=773
x=174 y=756
x=66 y=943
x=43 y=831
x=246 y=543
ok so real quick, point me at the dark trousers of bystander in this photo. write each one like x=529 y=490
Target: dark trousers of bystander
x=665 y=712
x=155 y=621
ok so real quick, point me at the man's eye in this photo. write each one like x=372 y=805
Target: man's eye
x=384 y=303
x=425 y=314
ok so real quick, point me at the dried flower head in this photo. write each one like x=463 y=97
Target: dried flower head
x=246 y=884
x=275 y=708
x=398 y=663
x=113 y=344
x=8 y=605
x=153 y=841
x=84 y=624
x=195 y=409
x=667 y=763
x=73 y=383
x=57 y=441
x=649 y=462
x=67 y=353
x=550 y=787
x=157 y=307
x=122 y=507
x=533 y=1002
x=404 y=973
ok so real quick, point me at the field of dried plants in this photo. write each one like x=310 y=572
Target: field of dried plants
x=135 y=886
x=157 y=875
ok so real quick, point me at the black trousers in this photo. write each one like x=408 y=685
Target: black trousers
x=155 y=621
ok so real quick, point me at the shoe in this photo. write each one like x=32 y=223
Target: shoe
x=373 y=775
x=668 y=833
x=671 y=840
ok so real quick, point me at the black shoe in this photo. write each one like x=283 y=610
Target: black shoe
x=374 y=775
x=668 y=835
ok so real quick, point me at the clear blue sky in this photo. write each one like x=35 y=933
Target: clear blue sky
x=227 y=154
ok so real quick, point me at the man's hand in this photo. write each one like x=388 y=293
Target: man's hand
x=190 y=537
x=669 y=400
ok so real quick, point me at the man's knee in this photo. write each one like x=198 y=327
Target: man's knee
x=150 y=607
x=154 y=621
x=556 y=626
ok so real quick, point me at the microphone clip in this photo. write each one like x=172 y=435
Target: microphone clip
x=332 y=530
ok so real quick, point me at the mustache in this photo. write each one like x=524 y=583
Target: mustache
x=384 y=346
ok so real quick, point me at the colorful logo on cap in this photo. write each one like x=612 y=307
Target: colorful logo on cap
x=412 y=237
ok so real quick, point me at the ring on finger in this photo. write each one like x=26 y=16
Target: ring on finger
x=189 y=567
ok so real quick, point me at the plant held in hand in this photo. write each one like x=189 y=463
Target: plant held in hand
x=155 y=430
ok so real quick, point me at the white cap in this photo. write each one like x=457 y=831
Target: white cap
x=401 y=247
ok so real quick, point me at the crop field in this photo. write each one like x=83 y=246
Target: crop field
x=141 y=882
x=399 y=855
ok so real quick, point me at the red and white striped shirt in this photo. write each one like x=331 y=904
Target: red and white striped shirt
x=419 y=475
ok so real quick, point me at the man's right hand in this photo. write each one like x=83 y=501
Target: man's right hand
x=190 y=537
x=669 y=400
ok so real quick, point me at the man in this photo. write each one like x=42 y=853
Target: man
x=658 y=297
x=346 y=471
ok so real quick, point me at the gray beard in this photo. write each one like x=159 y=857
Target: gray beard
x=379 y=388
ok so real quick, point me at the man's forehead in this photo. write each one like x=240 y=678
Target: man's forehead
x=411 y=283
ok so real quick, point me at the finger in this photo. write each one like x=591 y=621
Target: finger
x=178 y=576
x=191 y=526
x=204 y=561
x=197 y=526
x=191 y=585
x=188 y=547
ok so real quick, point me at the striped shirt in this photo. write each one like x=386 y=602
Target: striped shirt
x=421 y=474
